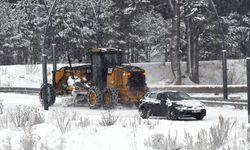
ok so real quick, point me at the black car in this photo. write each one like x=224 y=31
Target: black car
x=171 y=104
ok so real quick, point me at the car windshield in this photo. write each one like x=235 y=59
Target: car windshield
x=175 y=96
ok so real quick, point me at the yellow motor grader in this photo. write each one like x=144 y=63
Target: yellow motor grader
x=102 y=83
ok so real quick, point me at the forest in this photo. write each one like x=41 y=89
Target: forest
x=177 y=30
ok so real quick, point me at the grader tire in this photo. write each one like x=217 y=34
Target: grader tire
x=94 y=97
x=51 y=94
x=110 y=98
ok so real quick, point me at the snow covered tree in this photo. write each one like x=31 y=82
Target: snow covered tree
x=6 y=26
x=78 y=25
x=123 y=12
x=22 y=33
x=14 y=45
x=150 y=32
x=66 y=30
x=32 y=28
x=171 y=12
x=196 y=19
x=183 y=30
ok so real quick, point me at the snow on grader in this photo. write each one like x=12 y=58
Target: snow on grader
x=102 y=83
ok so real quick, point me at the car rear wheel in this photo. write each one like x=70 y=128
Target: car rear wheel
x=144 y=113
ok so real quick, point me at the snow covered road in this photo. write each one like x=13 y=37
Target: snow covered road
x=10 y=101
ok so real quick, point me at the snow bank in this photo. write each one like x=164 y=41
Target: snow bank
x=157 y=73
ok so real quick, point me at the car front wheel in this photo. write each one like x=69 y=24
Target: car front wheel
x=200 y=117
x=144 y=113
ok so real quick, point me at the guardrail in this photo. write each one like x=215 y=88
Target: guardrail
x=184 y=88
x=206 y=100
x=217 y=102
x=201 y=88
x=22 y=90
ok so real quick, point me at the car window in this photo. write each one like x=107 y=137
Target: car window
x=178 y=96
x=162 y=96
x=152 y=95
x=183 y=95
x=146 y=95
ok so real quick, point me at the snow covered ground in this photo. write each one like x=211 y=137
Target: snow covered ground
x=76 y=128
x=130 y=132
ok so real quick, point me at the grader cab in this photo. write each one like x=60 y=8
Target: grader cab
x=104 y=82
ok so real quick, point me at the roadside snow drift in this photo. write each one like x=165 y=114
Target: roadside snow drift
x=157 y=73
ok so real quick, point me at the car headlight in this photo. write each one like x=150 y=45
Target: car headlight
x=181 y=107
x=200 y=107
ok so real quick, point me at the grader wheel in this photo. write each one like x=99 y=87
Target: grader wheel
x=110 y=98
x=94 y=97
x=51 y=94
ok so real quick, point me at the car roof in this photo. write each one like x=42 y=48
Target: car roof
x=163 y=91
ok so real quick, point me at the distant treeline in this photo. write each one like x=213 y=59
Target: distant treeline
x=175 y=30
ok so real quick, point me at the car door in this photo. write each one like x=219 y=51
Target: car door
x=153 y=104
x=163 y=103
x=156 y=106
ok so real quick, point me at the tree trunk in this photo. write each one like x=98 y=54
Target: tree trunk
x=175 y=61
x=192 y=50
x=189 y=35
x=194 y=74
x=128 y=54
x=147 y=52
x=137 y=57
x=166 y=53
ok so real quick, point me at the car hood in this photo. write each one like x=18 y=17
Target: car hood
x=189 y=103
